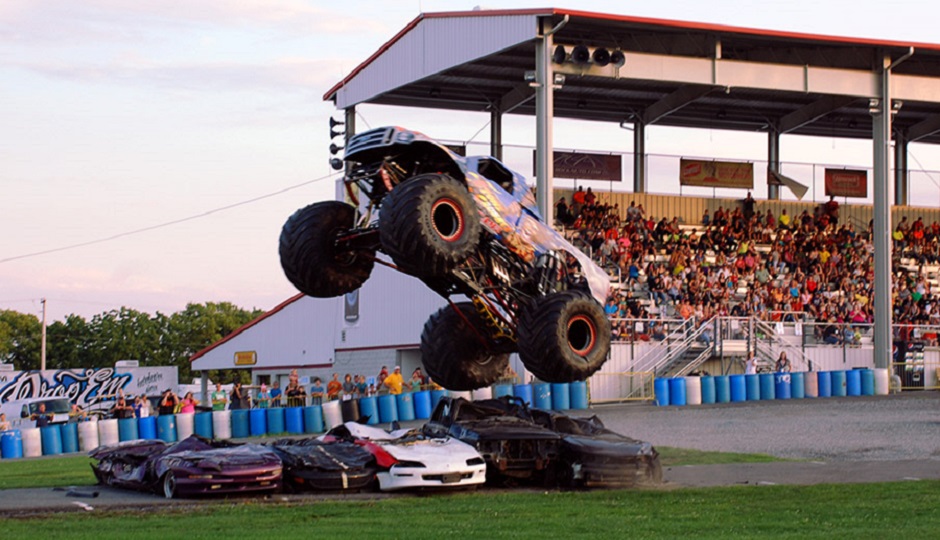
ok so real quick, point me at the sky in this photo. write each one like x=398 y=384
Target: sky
x=170 y=139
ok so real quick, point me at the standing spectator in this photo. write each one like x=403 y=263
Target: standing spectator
x=783 y=363
x=276 y=394
x=219 y=398
x=168 y=402
x=394 y=381
x=361 y=386
x=747 y=206
x=382 y=374
x=237 y=397
x=121 y=409
x=77 y=414
x=333 y=388
x=4 y=423
x=141 y=407
x=416 y=380
x=296 y=395
x=750 y=365
x=188 y=404
x=41 y=417
x=349 y=388
x=264 y=397
x=317 y=391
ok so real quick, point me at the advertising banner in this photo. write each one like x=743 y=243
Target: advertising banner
x=846 y=183
x=582 y=166
x=87 y=387
x=718 y=174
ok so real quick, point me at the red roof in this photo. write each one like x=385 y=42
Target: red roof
x=647 y=21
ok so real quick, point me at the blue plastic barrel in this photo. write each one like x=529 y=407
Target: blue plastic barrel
x=825 y=383
x=313 y=419
x=579 y=395
x=166 y=427
x=500 y=390
x=127 y=429
x=767 y=386
x=722 y=389
x=542 y=396
x=661 y=389
x=369 y=406
x=708 y=390
x=258 y=422
x=69 y=438
x=677 y=391
x=838 y=383
x=202 y=424
x=388 y=409
x=240 y=428
x=436 y=396
x=294 y=418
x=561 y=396
x=524 y=392
x=868 y=382
x=275 y=420
x=782 y=382
x=753 y=387
x=738 y=387
x=406 y=407
x=853 y=382
x=797 y=385
x=11 y=444
x=51 y=440
x=422 y=401
x=147 y=427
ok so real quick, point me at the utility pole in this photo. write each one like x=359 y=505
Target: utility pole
x=42 y=350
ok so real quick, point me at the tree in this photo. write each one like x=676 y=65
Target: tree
x=20 y=339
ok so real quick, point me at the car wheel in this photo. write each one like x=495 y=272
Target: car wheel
x=310 y=258
x=169 y=485
x=429 y=225
x=563 y=337
x=452 y=351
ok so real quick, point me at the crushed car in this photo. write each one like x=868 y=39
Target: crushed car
x=317 y=465
x=191 y=467
x=465 y=226
x=408 y=459
x=522 y=443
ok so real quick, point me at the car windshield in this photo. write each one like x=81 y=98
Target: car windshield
x=53 y=406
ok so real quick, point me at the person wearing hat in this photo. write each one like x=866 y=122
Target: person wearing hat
x=394 y=381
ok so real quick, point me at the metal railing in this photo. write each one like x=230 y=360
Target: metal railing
x=626 y=386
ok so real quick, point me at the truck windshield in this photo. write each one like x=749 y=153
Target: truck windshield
x=53 y=406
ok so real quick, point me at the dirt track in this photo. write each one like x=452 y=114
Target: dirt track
x=868 y=439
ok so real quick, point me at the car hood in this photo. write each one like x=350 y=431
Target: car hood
x=604 y=446
x=321 y=455
x=431 y=452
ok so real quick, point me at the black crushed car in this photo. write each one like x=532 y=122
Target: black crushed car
x=316 y=465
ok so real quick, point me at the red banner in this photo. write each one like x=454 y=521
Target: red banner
x=723 y=174
x=582 y=166
x=846 y=183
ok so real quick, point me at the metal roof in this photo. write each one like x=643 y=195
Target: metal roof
x=676 y=73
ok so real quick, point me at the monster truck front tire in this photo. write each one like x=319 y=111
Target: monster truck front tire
x=563 y=337
x=309 y=255
x=429 y=225
x=452 y=351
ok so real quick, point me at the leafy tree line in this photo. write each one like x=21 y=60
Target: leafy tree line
x=119 y=334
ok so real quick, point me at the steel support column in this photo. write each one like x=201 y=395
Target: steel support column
x=901 y=174
x=639 y=157
x=881 y=137
x=544 y=122
x=496 y=133
x=773 y=162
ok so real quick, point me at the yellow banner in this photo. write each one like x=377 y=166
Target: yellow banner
x=723 y=174
x=246 y=358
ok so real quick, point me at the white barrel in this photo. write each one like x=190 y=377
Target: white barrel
x=811 y=384
x=87 y=436
x=465 y=395
x=693 y=390
x=482 y=393
x=332 y=414
x=32 y=442
x=221 y=424
x=108 y=432
x=184 y=425
x=882 y=381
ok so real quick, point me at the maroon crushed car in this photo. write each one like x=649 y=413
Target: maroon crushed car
x=191 y=467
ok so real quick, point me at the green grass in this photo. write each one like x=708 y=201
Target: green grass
x=673 y=457
x=897 y=510
x=46 y=472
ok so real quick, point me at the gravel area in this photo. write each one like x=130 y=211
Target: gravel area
x=874 y=428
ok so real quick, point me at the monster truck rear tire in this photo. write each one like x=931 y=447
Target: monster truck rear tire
x=453 y=354
x=310 y=258
x=429 y=225
x=563 y=337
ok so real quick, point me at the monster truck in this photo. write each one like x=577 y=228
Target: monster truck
x=465 y=227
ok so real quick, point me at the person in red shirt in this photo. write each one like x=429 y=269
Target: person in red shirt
x=333 y=388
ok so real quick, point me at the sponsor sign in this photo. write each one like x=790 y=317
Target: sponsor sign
x=582 y=166
x=87 y=387
x=351 y=306
x=719 y=174
x=846 y=183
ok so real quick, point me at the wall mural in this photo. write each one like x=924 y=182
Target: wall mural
x=87 y=387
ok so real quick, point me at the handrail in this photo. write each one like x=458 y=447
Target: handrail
x=652 y=358
x=794 y=354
